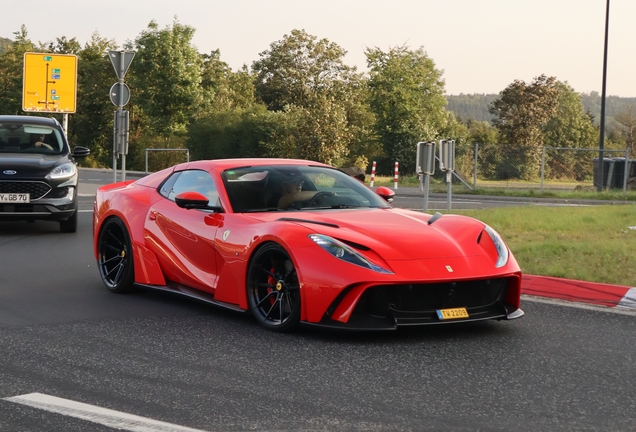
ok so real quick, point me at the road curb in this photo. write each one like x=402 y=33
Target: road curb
x=579 y=291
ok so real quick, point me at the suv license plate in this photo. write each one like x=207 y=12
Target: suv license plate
x=14 y=198
x=446 y=314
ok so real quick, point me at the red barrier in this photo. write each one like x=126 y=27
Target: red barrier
x=372 y=175
x=395 y=178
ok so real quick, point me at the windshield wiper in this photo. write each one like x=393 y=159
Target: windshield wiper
x=270 y=209
x=330 y=207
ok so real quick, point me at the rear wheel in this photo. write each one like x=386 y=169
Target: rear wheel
x=273 y=290
x=114 y=256
x=70 y=224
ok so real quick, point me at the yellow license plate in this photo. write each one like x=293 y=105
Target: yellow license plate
x=446 y=314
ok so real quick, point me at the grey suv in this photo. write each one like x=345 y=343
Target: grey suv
x=38 y=174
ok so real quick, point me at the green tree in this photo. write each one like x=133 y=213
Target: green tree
x=570 y=127
x=626 y=118
x=62 y=45
x=4 y=44
x=298 y=69
x=521 y=111
x=223 y=89
x=307 y=80
x=407 y=98
x=165 y=78
x=230 y=134
x=458 y=131
x=11 y=71
x=92 y=124
x=489 y=150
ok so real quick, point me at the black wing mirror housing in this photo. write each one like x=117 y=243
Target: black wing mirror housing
x=80 y=152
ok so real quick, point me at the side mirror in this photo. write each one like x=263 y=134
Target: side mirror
x=195 y=200
x=80 y=151
x=385 y=193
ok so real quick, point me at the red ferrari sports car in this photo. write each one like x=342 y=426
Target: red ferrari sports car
x=295 y=241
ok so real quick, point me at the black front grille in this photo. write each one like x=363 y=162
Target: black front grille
x=36 y=189
x=416 y=304
x=422 y=297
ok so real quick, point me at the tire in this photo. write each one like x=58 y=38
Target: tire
x=115 y=256
x=273 y=291
x=69 y=225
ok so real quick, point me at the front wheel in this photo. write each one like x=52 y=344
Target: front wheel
x=273 y=290
x=115 y=256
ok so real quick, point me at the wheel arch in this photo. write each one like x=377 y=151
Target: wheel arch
x=264 y=241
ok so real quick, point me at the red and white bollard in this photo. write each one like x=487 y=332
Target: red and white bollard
x=372 y=175
x=395 y=178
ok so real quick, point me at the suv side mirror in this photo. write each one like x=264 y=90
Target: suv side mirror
x=80 y=151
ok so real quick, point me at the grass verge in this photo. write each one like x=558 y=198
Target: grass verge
x=593 y=244
x=561 y=190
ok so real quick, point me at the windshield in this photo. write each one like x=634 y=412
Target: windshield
x=291 y=188
x=19 y=137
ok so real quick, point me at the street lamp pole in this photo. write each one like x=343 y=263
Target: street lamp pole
x=601 y=145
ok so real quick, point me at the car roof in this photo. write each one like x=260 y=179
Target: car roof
x=48 y=121
x=223 y=164
x=219 y=165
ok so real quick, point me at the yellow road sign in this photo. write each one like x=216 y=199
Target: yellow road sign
x=50 y=83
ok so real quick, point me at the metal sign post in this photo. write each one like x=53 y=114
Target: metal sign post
x=447 y=164
x=425 y=165
x=120 y=96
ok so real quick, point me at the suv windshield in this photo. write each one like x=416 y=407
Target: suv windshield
x=295 y=187
x=29 y=138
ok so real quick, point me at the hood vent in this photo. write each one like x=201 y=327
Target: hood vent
x=308 y=221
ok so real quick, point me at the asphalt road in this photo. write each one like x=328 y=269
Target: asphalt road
x=175 y=360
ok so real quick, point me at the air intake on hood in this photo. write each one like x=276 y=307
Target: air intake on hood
x=308 y=221
x=436 y=216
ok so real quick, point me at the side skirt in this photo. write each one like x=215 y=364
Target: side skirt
x=185 y=291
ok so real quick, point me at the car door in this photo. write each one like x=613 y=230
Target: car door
x=183 y=240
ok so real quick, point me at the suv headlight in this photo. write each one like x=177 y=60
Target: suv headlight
x=342 y=251
x=502 y=249
x=63 y=171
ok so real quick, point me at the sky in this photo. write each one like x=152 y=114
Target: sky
x=481 y=45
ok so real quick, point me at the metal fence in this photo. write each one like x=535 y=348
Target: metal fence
x=555 y=168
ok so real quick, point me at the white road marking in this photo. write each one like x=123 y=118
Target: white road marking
x=567 y=303
x=92 y=413
x=85 y=211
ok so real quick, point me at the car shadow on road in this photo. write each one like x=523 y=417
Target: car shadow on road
x=28 y=228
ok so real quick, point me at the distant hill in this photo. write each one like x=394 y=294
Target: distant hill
x=475 y=106
x=4 y=44
x=471 y=106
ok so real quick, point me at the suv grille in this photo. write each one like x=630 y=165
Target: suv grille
x=36 y=189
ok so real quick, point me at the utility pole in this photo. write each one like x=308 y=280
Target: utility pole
x=601 y=145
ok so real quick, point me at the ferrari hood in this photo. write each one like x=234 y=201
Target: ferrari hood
x=393 y=234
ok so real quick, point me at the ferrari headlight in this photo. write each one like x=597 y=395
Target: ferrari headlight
x=345 y=253
x=63 y=171
x=502 y=249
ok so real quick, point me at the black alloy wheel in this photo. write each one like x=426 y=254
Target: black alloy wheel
x=273 y=290
x=115 y=256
